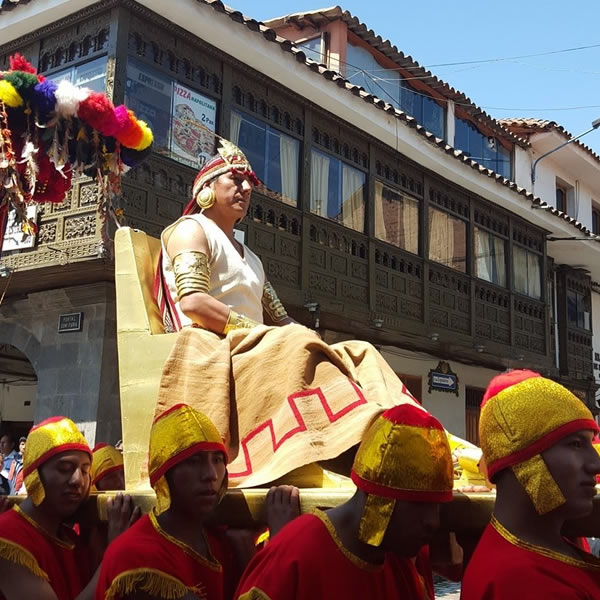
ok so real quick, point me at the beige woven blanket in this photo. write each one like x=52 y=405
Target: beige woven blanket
x=280 y=396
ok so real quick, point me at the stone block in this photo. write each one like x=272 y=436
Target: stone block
x=69 y=381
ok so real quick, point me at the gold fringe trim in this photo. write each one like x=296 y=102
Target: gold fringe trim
x=590 y=562
x=254 y=593
x=16 y=554
x=152 y=581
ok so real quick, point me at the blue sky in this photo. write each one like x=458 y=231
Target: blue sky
x=438 y=31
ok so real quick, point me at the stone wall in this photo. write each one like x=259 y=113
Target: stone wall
x=77 y=371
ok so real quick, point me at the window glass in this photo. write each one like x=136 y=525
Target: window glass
x=490 y=262
x=337 y=191
x=181 y=119
x=447 y=240
x=274 y=156
x=396 y=218
x=484 y=149
x=363 y=69
x=527 y=269
x=314 y=49
x=578 y=310
x=91 y=74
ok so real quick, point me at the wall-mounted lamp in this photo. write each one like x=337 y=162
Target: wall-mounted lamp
x=5 y=272
x=434 y=337
x=479 y=348
x=314 y=308
x=377 y=322
x=520 y=357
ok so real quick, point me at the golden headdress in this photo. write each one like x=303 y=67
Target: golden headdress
x=404 y=456
x=45 y=440
x=229 y=158
x=177 y=434
x=105 y=459
x=523 y=414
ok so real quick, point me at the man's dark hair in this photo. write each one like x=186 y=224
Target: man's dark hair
x=9 y=435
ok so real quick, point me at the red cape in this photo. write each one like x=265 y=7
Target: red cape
x=505 y=568
x=62 y=564
x=146 y=558
x=306 y=560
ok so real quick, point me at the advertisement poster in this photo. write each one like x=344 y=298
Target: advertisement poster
x=193 y=119
x=14 y=238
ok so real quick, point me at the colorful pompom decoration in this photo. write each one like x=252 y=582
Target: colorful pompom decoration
x=51 y=132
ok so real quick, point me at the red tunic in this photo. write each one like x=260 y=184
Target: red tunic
x=306 y=560
x=146 y=558
x=62 y=564
x=504 y=568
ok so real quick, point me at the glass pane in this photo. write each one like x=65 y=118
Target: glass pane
x=281 y=178
x=91 y=75
x=461 y=135
x=252 y=139
x=520 y=270
x=396 y=218
x=319 y=182
x=504 y=162
x=313 y=49
x=475 y=144
x=489 y=257
x=433 y=117
x=149 y=94
x=447 y=240
x=534 y=275
x=353 y=198
x=572 y=308
x=411 y=102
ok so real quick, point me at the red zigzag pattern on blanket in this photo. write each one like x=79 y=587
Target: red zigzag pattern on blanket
x=333 y=417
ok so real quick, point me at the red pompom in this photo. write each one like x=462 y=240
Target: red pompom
x=98 y=112
x=506 y=380
x=19 y=63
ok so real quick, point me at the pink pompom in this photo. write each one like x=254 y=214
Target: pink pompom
x=122 y=119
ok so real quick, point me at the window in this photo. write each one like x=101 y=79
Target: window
x=314 y=49
x=337 y=191
x=473 y=399
x=91 y=74
x=561 y=199
x=180 y=118
x=566 y=199
x=486 y=150
x=364 y=70
x=527 y=268
x=447 y=240
x=596 y=221
x=490 y=261
x=396 y=218
x=274 y=156
x=578 y=310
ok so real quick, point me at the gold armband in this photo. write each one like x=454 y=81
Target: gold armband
x=237 y=321
x=192 y=273
x=272 y=304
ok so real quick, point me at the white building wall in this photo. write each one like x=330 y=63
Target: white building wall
x=447 y=407
x=17 y=402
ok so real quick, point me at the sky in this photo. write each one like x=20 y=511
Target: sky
x=437 y=32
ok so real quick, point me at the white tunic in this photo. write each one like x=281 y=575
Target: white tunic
x=234 y=280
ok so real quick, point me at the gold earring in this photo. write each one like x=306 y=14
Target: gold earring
x=205 y=198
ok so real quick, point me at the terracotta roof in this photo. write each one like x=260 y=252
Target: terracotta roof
x=323 y=16
x=6 y=5
x=527 y=126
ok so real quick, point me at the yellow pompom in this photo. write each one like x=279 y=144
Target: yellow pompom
x=147 y=136
x=9 y=94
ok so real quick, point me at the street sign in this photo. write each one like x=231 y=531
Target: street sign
x=442 y=379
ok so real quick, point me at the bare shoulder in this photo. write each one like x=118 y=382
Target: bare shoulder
x=17 y=582
x=185 y=234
